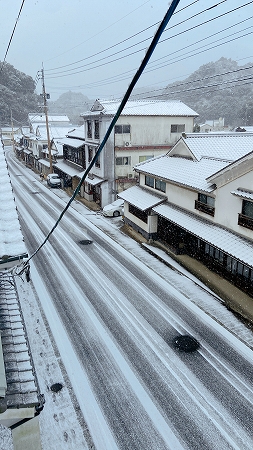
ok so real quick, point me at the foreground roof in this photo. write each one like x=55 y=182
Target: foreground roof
x=142 y=108
x=142 y=198
x=21 y=389
x=12 y=246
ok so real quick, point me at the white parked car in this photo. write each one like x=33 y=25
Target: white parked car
x=53 y=180
x=115 y=209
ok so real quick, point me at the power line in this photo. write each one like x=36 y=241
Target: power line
x=116 y=79
x=85 y=67
x=229 y=72
x=121 y=42
x=23 y=1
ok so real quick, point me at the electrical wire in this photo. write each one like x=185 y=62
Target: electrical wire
x=60 y=74
x=86 y=68
x=121 y=42
x=23 y=1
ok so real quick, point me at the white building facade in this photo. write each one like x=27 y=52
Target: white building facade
x=144 y=130
x=198 y=199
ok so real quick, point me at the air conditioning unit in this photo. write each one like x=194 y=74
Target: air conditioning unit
x=130 y=175
x=127 y=144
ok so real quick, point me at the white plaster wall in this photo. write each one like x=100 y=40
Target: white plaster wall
x=152 y=130
x=228 y=206
x=143 y=225
x=134 y=154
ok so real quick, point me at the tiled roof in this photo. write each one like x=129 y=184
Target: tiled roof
x=22 y=389
x=75 y=143
x=226 y=241
x=243 y=193
x=77 y=132
x=11 y=238
x=41 y=118
x=224 y=146
x=141 y=198
x=145 y=108
x=182 y=171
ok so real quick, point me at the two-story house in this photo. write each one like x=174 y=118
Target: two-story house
x=144 y=130
x=198 y=199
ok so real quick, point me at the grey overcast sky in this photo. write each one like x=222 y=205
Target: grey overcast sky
x=96 y=47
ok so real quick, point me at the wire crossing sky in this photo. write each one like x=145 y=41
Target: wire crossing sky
x=96 y=50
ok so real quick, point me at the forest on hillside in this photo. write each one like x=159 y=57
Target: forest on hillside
x=217 y=89
x=17 y=96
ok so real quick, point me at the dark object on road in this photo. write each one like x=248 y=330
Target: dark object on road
x=56 y=387
x=186 y=343
x=85 y=242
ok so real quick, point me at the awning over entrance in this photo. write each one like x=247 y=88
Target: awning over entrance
x=45 y=162
x=226 y=241
x=65 y=168
x=74 y=143
x=141 y=198
x=27 y=152
x=93 y=181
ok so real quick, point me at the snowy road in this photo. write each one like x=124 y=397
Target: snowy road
x=114 y=321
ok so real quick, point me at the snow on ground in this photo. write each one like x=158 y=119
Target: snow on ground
x=59 y=422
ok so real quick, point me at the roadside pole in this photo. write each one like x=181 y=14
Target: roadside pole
x=45 y=96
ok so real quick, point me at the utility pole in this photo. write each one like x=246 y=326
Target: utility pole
x=12 y=134
x=45 y=96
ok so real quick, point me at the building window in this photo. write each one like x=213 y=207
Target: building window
x=245 y=219
x=122 y=129
x=96 y=125
x=123 y=161
x=97 y=162
x=160 y=185
x=177 y=128
x=149 y=181
x=89 y=129
x=90 y=153
x=74 y=155
x=142 y=215
x=205 y=204
x=145 y=158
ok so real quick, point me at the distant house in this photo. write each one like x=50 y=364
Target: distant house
x=32 y=145
x=144 y=130
x=36 y=119
x=8 y=134
x=20 y=398
x=212 y=125
x=198 y=199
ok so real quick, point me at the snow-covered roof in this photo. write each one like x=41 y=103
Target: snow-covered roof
x=55 y=131
x=225 y=146
x=66 y=168
x=141 y=198
x=182 y=171
x=226 y=241
x=75 y=143
x=12 y=246
x=77 y=132
x=142 y=108
x=243 y=193
x=36 y=118
x=21 y=388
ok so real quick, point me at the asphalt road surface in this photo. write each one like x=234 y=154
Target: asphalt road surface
x=121 y=319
